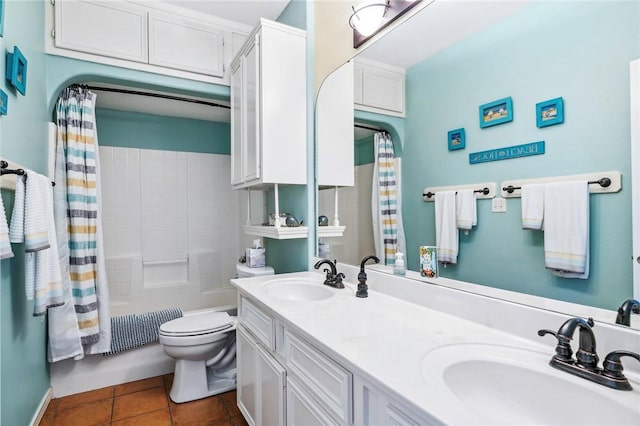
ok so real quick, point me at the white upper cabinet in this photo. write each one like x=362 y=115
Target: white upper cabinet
x=148 y=36
x=117 y=29
x=379 y=87
x=186 y=44
x=335 y=134
x=268 y=108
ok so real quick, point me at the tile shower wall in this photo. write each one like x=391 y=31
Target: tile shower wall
x=171 y=228
x=354 y=210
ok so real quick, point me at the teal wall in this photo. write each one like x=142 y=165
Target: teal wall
x=23 y=135
x=146 y=131
x=295 y=14
x=364 y=151
x=578 y=50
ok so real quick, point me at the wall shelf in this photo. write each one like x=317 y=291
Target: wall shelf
x=281 y=233
x=330 y=231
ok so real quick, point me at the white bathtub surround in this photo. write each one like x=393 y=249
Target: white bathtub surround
x=395 y=341
x=172 y=232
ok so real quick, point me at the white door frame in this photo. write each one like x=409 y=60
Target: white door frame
x=634 y=72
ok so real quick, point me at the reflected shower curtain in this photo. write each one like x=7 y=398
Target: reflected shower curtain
x=86 y=328
x=388 y=232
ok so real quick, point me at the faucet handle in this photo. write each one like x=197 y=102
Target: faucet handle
x=612 y=364
x=563 y=348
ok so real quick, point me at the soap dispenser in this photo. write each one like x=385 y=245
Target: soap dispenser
x=399 y=268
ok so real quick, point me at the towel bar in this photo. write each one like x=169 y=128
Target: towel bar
x=599 y=183
x=603 y=182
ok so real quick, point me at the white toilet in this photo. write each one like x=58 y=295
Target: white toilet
x=204 y=347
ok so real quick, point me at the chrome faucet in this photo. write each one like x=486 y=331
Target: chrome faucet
x=363 y=289
x=333 y=277
x=586 y=362
x=625 y=310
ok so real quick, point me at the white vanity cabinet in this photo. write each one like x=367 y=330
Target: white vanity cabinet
x=268 y=108
x=283 y=379
x=379 y=87
x=374 y=407
x=261 y=381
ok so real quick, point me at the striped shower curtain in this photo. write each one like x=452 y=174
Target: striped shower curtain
x=78 y=212
x=388 y=232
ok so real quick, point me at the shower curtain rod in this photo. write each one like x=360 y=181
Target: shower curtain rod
x=375 y=129
x=153 y=95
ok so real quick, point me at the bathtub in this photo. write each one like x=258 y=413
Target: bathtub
x=69 y=377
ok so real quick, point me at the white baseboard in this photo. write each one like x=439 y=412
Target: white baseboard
x=38 y=415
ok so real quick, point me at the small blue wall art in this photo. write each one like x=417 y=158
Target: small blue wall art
x=550 y=112
x=456 y=139
x=17 y=70
x=496 y=112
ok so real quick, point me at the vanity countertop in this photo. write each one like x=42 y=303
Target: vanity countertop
x=386 y=340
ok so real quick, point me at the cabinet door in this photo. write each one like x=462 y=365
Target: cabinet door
x=237 y=123
x=251 y=114
x=109 y=28
x=246 y=353
x=271 y=393
x=185 y=44
x=302 y=409
x=334 y=114
x=382 y=89
x=357 y=83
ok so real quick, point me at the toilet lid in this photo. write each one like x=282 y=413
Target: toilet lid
x=190 y=325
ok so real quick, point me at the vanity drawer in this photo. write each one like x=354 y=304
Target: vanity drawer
x=326 y=380
x=258 y=323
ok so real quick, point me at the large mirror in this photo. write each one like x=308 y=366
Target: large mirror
x=459 y=55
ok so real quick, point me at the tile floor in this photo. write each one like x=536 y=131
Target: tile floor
x=141 y=403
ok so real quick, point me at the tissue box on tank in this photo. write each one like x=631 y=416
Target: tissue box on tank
x=255 y=257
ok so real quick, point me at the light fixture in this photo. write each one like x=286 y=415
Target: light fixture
x=371 y=16
x=367 y=16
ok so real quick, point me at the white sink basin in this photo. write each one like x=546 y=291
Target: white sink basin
x=297 y=290
x=506 y=385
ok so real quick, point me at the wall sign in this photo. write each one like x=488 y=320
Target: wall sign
x=525 y=150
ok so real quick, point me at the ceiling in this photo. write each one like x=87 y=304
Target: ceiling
x=247 y=12
x=437 y=27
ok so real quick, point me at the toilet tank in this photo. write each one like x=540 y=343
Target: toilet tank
x=243 y=271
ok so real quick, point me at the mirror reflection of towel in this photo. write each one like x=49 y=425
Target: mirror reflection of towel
x=446 y=230
x=566 y=229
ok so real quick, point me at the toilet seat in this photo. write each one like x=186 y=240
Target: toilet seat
x=198 y=325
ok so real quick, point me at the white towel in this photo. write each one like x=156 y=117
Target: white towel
x=532 y=200
x=466 y=213
x=43 y=281
x=566 y=228
x=446 y=230
x=35 y=216
x=5 y=245
x=16 y=232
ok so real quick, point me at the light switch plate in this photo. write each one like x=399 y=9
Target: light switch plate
x=499 y=205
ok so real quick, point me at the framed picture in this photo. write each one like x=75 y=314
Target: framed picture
x=496 y=112
x=17 y=70
x=1 y=18
x=455 y=139
x=550 y=112
x=4 y=102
